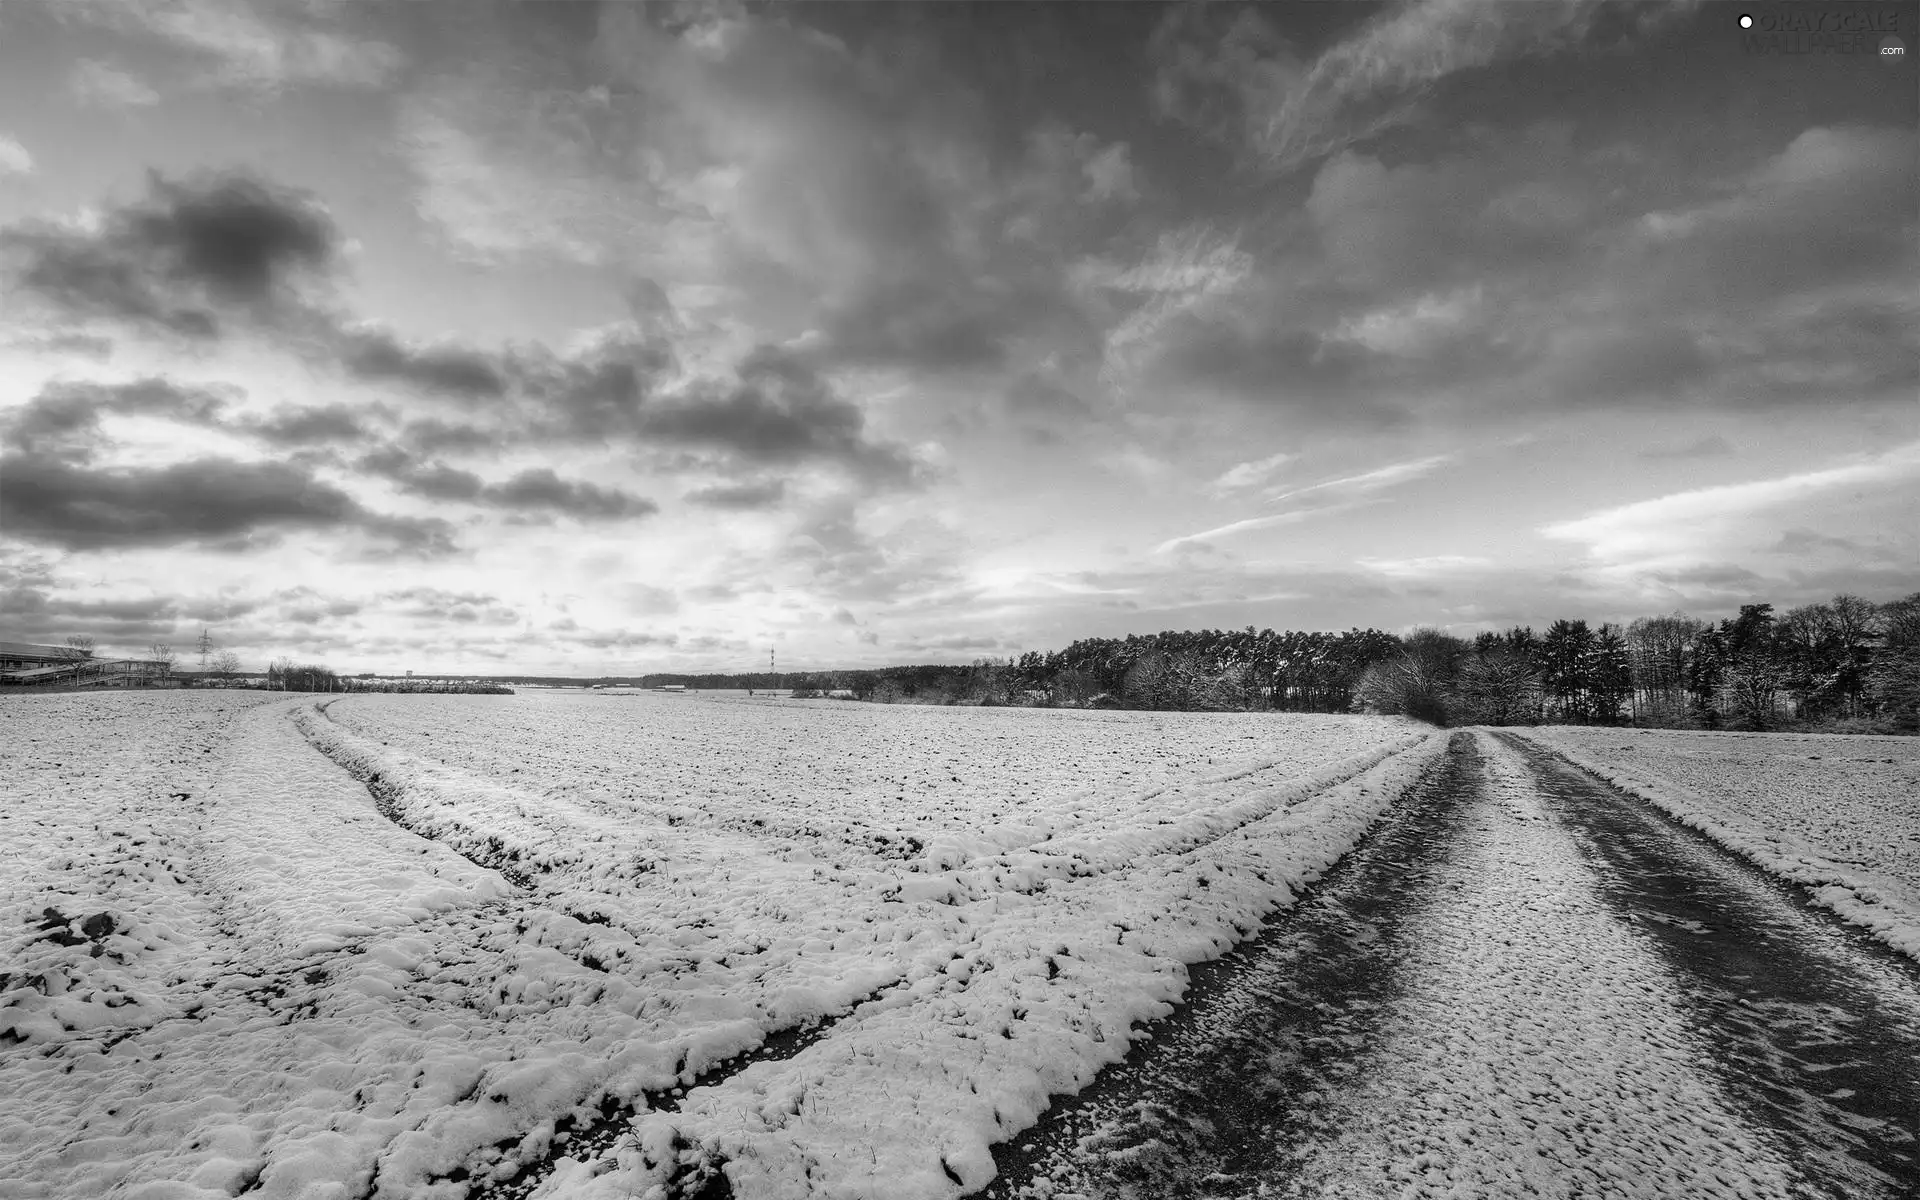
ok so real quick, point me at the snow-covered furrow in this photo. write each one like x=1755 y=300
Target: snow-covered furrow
x=104 y=927
x=862 y=785
x=1539 y=1048
x=1206 y=812
x=903 y=1100
x=583 y=860
x=787 y=938
x=352 y=1009
x=1847 y=829
x=269 y=845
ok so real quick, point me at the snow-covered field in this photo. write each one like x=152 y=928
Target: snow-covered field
x=1839 y=814
x=222 y=968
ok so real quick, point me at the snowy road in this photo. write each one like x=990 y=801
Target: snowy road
x=1524 y=985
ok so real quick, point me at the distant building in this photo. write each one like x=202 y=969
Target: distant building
x=25 y=664
x=24 y=656
x=673 y=687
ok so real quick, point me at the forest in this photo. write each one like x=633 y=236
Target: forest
x=1847 y=665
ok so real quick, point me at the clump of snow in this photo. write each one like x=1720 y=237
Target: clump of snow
x=1837 y=814
x=387 y=944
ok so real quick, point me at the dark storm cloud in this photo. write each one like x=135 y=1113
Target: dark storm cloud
x=538 y=488
x=740 y=497
x=435 y=481
x=36 y=612
x=216 y=502
x=781 y=412
x=189 y=254
x=534 y=490
x=603 y=391
x=378 y=356
x=432 y=435
x=198 y=254
x=466 y=608
x=64 y=417
x=314 y=426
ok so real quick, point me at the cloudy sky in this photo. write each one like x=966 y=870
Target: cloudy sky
x=563 y=337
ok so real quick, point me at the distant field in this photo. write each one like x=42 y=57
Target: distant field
x=406 y=945
x=1837 y=813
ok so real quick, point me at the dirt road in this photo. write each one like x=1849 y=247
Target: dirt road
x=1525 y=985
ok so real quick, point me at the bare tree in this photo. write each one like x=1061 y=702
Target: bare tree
x=1894 y=681
x=1657 y=648
x=226 y=664
x=83 y=642
x=163 y=654
x=1499 y=688
x=1074 y=687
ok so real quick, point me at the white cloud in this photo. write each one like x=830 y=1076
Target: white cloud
x=1424 y=567
x=1414 y=327
x=260 y=46
x=1248 y=474
x=1186 y=268
x=101 y=83
x=14 y=159
x=255 y=51
x=1110 y=175
x=1132 y=460
x=1376 y=79
x=1356 y=485
x=1290 y=517
x=1368 y=481
x=1686 y=529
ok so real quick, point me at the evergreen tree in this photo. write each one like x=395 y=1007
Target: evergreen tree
x=1565 y=659
x=1609 y=675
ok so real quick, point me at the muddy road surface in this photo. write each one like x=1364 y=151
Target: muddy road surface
x=1524 y=984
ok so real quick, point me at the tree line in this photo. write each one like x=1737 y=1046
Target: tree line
x=1848 y=664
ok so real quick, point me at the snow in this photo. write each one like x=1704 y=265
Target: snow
x=1539 y=1048
x=577 y=900
x=1838 y=814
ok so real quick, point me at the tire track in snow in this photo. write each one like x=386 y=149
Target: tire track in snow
x=1266 y=1032
x=1503 y=1033
x=1815 y=1026
x=1540 y=1048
